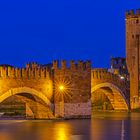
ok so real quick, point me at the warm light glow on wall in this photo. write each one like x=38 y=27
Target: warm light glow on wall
x=48 y=88
x=63 y=87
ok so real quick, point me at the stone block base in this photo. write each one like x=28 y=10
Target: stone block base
x=73 y=110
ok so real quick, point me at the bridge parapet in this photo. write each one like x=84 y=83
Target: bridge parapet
x=32 y=70
x=103 y=76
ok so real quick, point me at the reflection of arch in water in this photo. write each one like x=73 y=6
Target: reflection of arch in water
x=116 y=97
x=37 y=103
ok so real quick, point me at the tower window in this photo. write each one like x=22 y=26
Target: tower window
x=137 y=21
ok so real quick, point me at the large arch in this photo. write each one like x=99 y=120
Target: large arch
x=117 y=98
x=14 y=91
x=39 y=104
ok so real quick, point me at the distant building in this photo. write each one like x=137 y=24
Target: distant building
x=118 y=66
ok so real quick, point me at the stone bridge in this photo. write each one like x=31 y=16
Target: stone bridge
x=114 y=87
x=48 y=91
x=31 y=85
x=60 y=90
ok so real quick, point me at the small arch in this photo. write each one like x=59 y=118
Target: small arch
x=116 y=91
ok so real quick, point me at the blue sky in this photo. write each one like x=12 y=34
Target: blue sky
x=45 y=30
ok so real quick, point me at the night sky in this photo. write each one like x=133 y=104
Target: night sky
x=45 y=30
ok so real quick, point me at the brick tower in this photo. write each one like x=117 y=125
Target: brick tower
x=133 y=55
x=72 y=93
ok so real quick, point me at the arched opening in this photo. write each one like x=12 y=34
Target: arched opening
x=107 y=96
x=100 y=100
x=25 y=103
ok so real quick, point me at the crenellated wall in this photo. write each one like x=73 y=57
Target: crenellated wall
x=33 y=77
x=44 y=81
x=132 y=13
x=31 y=71
x=72 y=65
x=64 y=86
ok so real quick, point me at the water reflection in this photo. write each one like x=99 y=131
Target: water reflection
x=61 y=134
x=62 y=131
x=106 y=127
x=122 y=131
x=4 y=136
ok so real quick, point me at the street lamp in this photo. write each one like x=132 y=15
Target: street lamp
x=61 y=88
x=122 y=77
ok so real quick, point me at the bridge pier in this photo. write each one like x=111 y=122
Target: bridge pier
x=73 y=110
x=72 y=90
x=135 y=102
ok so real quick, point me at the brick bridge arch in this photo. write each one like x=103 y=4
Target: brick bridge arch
x=37 y=108
x=14 y=91
x=115 y=88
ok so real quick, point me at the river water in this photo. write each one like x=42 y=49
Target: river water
x=102 y=126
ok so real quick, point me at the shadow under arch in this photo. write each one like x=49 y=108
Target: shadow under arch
x=117 y=98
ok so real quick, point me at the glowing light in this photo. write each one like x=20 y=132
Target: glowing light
x=122 y=77
x=61 y=87
x=63 y=131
